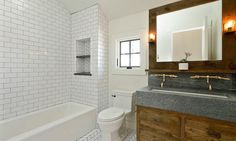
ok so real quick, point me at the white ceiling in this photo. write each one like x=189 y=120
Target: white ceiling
x=115 y=8
x=78 y=5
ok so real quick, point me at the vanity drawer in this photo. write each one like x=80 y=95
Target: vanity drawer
x=208 y=130
x=157 y=125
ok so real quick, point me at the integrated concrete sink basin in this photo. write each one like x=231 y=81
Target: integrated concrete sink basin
x=190 y=93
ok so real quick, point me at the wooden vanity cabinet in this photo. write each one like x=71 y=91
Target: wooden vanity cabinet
x=198 y=129
x=154 y=125
x=160 y=125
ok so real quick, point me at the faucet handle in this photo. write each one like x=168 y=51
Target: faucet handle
x=172 y=76
x=195 y=77
x=159 y=75
x=166 y=75
x=210 y=77
x=223 y=78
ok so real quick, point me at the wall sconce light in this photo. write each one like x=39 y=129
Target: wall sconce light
x=152 y=38
x=230 y=26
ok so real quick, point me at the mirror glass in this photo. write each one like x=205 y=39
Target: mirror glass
x=196 y=30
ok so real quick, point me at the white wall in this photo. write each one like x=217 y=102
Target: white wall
x=126 y=25
x=35 y=56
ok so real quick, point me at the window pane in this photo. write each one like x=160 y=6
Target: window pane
x=124 y=60
x=124 y=47
x=135 y=59
x=135 y=46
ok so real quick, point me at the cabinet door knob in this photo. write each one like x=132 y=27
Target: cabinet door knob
x=213 y=133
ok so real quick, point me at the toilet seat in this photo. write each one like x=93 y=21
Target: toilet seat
x=110 y=114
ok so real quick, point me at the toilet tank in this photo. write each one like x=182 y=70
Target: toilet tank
x=122 y=99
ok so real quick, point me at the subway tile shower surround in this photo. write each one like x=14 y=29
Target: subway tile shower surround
x=37 y=56
x=91 y=90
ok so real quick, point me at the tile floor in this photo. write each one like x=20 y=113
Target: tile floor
x=95 y=135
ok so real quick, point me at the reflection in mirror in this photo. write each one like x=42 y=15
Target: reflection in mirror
x=197 y=30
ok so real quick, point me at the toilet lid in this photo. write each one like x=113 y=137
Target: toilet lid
x=110 y=114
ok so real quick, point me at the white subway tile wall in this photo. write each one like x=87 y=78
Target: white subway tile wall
x=35 y=56
x=84 y=25
x=91 y=90
x=103 y=96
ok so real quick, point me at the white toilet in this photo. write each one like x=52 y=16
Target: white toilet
x=111 y=119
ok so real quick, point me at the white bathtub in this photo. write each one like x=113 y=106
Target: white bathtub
x=65 y=122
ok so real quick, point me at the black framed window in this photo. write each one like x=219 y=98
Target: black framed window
x=130 y=54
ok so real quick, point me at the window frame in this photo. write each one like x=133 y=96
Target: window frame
x=114 y=52
x=130 y=53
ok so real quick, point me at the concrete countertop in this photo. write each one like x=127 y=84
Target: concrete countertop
x=212 y=107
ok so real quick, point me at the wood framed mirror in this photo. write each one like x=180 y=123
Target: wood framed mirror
x=227 y=62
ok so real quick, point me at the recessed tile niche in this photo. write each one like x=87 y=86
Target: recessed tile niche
x=83 y=57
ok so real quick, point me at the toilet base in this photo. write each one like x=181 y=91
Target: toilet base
x=111 y=136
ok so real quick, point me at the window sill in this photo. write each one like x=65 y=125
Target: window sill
x=125 y=71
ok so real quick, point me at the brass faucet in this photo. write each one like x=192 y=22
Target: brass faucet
x=164 y=77
x=208 y=77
